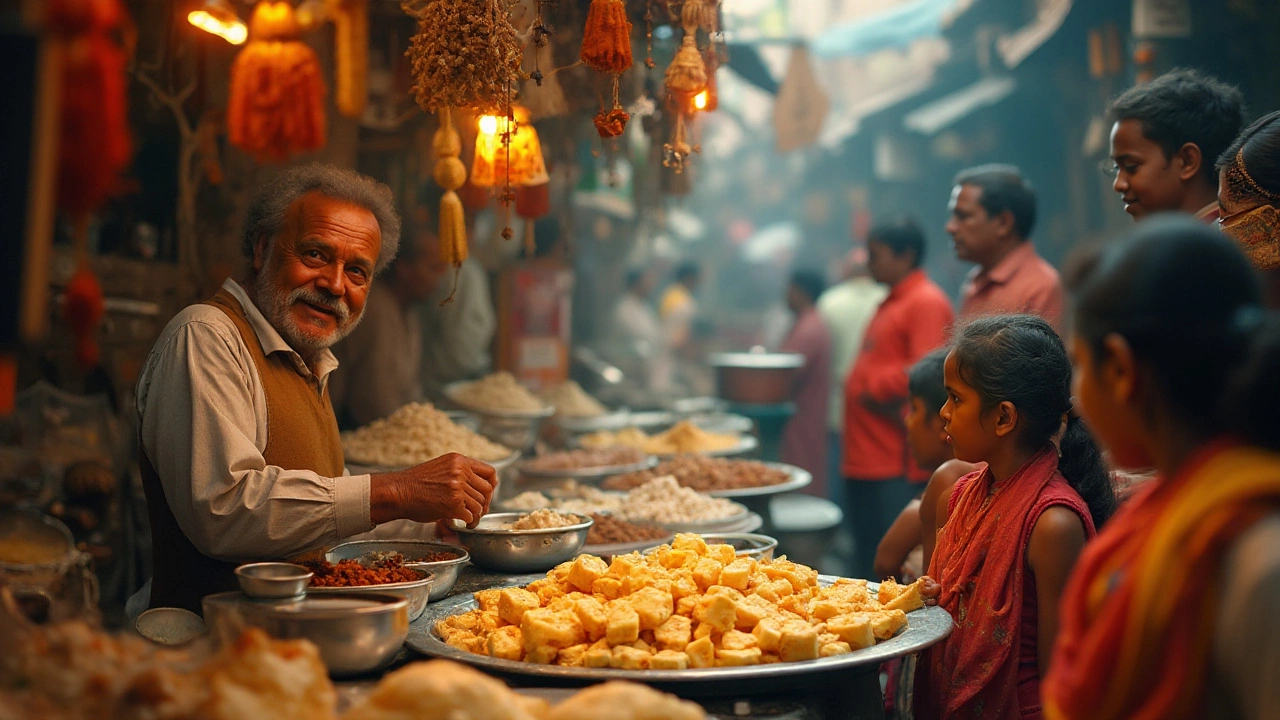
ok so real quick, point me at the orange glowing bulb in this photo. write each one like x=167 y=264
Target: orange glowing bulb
x=489 y=124
x=233 y=31
x=700 y=101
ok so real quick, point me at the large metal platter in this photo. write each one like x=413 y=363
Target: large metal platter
x=615 y=421
x=587 y=473
x=717 y=525
x=925 y=627
x=451 y=392
x=355 y=468
x=612 y=549
x=746 y=444
x=799 y=478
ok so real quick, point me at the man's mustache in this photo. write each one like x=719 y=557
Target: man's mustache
x=324 y=300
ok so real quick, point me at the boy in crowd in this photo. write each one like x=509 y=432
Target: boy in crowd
x=1166 y=137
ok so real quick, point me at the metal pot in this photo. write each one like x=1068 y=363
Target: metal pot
x=756 y=378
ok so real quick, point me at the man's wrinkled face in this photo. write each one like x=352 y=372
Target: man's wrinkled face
x=313 y=280
x=1147 y=180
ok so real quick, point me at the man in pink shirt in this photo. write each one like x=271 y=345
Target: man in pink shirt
x=912 y=321
x=993 y=210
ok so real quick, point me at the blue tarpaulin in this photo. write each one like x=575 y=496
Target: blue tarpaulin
x=894 y=28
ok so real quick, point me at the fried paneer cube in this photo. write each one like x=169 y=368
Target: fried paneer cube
x=506 y=643
x=669 y=660
x=597 y=658
x=690 y=542
x=572 y=656
x=653 y=606
x=738 y=658
x=836 y=648
x=707 y=572
x=854 y=629
x=718 y=611
x=908 y=599
x=585 y=570
x=889 y=589
x=626 y=657
x=593 y=616
x=737 y=574
x=724 y=553
x=487 y=600
x=799 y=642
x=675 y=633
x=513 y=603
x=623 y=624
x=768 y=634
x=735 y=640
x=701 y=653
x=549 y=628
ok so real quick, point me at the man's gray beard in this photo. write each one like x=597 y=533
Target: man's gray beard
x=274 y=304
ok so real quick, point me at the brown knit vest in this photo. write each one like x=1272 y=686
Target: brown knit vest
x=302 y=434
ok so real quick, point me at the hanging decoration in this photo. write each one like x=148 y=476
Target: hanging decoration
x=94 y=146
x=606 y=47
x=450 y=174
x=508 y=148
x=541 y=94
x=686 y=77
x=541 y=34
x=465 y=55
x=351 y=56
x=648 y=36
x=276 y=108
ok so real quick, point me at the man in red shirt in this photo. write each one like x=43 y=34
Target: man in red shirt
x=993 y=210
x=912 y=321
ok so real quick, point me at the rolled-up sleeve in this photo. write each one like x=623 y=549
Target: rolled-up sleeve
x=201 y=403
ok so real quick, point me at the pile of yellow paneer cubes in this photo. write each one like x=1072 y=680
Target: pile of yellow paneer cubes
x=683 y=605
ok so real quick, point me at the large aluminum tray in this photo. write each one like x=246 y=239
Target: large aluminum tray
x=925 y=627
x=799 y=478
x=451 y=392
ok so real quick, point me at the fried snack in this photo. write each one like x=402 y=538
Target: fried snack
x=685 y=605
x=609 y=530
x=414 y=434
x=499 y=392
x=266 y=678
x=625 y=701
x=443 y=690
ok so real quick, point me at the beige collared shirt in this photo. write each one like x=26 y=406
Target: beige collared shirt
x=203 y=424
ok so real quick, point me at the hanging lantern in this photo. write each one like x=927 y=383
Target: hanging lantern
x=532 y=202
x=277 y=95
x=506 y=149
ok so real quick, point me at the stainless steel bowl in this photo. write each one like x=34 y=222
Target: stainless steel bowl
x=515 y=429
x=355 y=633
x=416 y=592
x=170 y=625
x=756 y=377
x=521 y=551
x=756 y=547
x=273 y=579
x=445 y=571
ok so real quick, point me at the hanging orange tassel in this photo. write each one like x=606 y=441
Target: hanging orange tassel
x=606 y=39
x=450 y=174
x=277 y=93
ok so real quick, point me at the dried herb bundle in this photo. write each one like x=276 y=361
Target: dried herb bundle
x=466 y=54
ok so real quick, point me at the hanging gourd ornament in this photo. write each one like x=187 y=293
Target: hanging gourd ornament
x=699 y=14
x=687 y=74
x=450 y=174
x=276 y=107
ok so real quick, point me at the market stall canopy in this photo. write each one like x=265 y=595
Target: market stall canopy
x=940 y=114
x=895 y=28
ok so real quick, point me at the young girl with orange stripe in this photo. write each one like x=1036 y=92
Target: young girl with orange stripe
x=1008 y=535
x=1172 y=612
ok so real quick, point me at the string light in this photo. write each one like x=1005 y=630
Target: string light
x=216 y=17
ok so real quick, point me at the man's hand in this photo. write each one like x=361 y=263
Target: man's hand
x=930 y=590
x=451 y=486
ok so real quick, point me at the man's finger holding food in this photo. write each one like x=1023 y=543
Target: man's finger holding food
x=438 y=489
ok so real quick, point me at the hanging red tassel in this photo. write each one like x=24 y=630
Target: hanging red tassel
x=94 y=145
x=83 y=310
x=606 y=39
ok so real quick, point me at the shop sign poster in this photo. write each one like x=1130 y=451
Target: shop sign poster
x=1161 y=19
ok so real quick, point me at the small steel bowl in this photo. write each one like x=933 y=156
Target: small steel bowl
x=270 y=580
x=355 y=633
x=416 y=592
x=521 y=551
x=756 y=547
x=169 y=625
x=445 y=571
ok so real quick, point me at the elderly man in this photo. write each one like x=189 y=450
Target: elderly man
x=240 y=453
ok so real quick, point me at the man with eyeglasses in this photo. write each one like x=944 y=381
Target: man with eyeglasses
x=1166 y=136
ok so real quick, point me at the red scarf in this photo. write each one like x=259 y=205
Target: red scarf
x=1139 y=610
x=974 y=673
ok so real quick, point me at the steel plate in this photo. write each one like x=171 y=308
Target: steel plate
x=716 y=525
x=615 y=421
x=356 y=468
x=587 y=473
x=799 y=478
x=925 y=627
x=746 y=444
